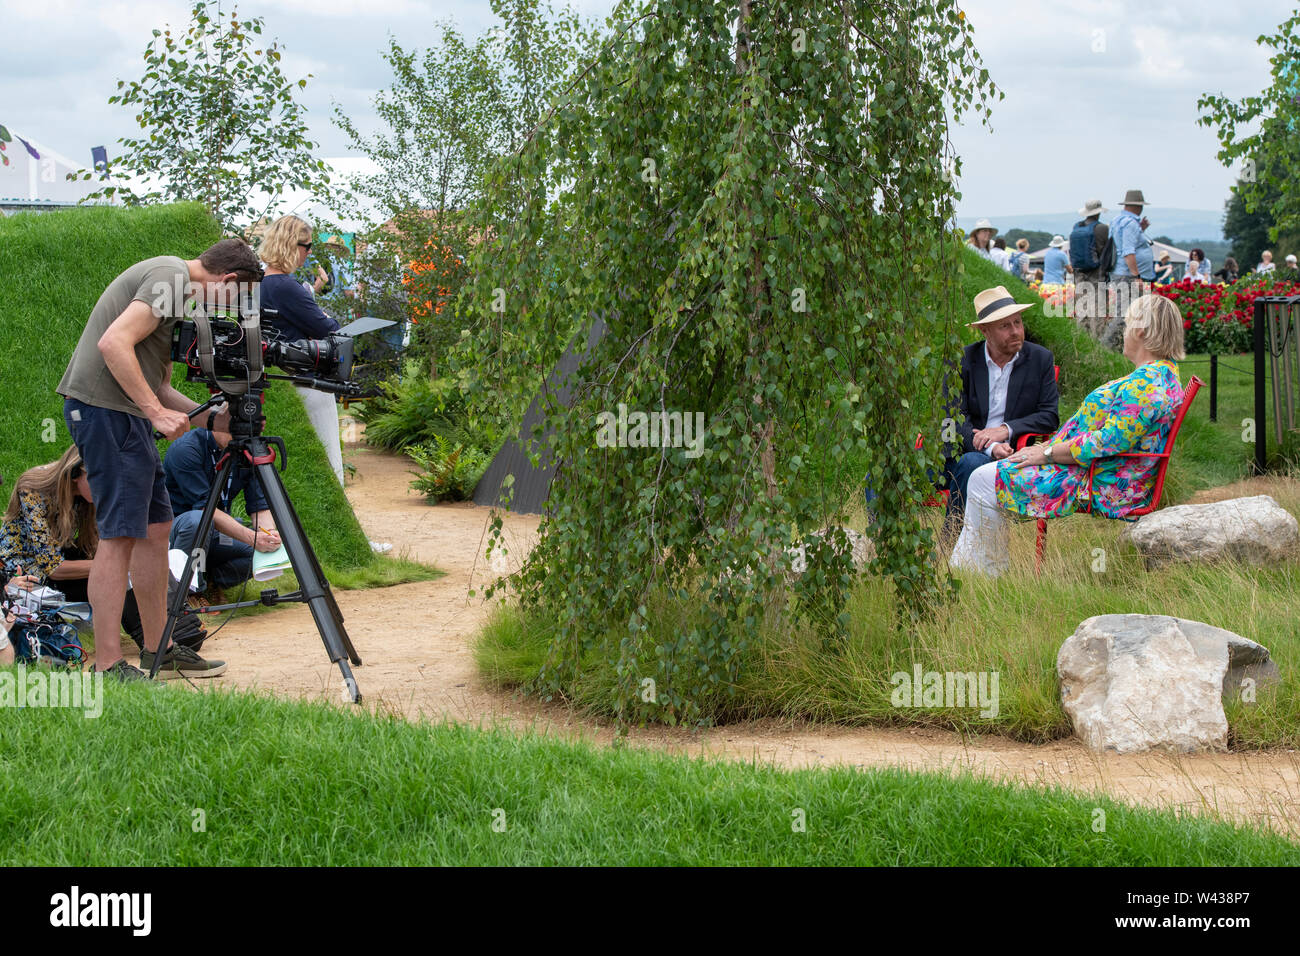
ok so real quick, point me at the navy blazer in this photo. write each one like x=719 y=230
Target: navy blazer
x=1032 y=399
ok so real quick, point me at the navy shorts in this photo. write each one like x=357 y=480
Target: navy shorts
x=123 y=467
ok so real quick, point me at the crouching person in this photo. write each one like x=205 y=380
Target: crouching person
x=191 y=467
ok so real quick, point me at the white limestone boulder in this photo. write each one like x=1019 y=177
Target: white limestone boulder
x=1256 y=530
x=1136 y=682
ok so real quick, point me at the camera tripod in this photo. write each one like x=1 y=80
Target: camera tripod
x=249 y=450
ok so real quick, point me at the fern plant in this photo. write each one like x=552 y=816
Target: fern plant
x=449 y=469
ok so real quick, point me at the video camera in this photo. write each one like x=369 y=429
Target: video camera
x=221 y=351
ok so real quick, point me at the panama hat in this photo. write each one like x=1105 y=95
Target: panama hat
x=1092 y=207
x=983 y=224
x=994 y=304
x=1134 y=197
x=1057 y=242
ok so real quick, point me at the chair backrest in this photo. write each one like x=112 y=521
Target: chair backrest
x=1167 y=453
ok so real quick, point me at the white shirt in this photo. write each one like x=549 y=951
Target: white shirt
x=999 y=379
x=1000 y=257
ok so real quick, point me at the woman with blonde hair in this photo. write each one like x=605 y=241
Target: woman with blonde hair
x=1050 y=479
x=284 y=249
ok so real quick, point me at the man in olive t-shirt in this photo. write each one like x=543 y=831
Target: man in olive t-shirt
x=117 y=389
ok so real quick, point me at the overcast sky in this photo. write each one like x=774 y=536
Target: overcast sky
x=1100 y=94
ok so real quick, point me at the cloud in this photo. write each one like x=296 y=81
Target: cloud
x=1101 y=97
x=1100 y=94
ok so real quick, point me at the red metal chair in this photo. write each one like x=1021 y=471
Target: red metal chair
x=1164 y=456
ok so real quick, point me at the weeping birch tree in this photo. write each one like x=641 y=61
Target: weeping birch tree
x=755 y=199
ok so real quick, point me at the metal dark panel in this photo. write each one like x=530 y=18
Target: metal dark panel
x=532 y=486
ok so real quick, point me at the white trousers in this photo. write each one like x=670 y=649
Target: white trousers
x=985 y=541
x=324 y=415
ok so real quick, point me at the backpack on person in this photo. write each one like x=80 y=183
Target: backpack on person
x=1083 y=255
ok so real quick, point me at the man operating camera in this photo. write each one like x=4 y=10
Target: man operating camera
x=117 y=390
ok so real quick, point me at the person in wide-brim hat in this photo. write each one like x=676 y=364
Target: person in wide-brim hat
x=994 y=305
x=1092 y=207
x=981 y=237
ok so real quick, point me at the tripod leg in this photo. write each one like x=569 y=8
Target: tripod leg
x=176 y=609
x=316 y=590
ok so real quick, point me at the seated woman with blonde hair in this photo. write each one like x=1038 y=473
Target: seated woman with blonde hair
x=1050 y=479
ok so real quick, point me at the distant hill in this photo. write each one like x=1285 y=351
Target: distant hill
x=1180 y=225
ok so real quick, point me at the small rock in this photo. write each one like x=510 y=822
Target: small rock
x=1252 y=529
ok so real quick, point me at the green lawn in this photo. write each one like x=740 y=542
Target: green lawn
x=171 y=777
x=53 y=268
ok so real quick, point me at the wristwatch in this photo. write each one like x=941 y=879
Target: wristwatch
x=1047 y=453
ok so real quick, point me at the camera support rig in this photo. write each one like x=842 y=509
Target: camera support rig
x=250 y=450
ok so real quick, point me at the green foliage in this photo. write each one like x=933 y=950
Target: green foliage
x=53 y=268
x=415 y=409
x=386 y=792
x=449 y=113
x=449 y=470
x=1264 y=132
x=1252 y=228
x=219 y=121
x=765 y=251
x=1037 y=238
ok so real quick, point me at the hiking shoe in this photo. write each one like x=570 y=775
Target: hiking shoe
x=124 y=672
x=180 y=661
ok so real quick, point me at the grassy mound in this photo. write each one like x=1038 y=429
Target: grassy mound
x=53 y=268
x=130 y=789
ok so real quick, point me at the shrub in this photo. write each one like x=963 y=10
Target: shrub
x=1219 y=319
x=450 y=469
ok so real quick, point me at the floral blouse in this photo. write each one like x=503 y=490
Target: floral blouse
x=27 y=541
x=1130 y=414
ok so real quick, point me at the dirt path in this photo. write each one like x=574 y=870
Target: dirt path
x=415 y=641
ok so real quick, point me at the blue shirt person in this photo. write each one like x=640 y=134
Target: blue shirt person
x=191 y=468
x=1131 y=240
x=1054 y=264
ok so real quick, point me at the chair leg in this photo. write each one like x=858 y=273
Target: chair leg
x=1040 y=545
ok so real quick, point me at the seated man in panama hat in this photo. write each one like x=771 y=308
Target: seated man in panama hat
x=1008 y=388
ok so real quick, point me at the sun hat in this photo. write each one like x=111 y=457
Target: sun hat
x=1291 y=258
x=994 y=304
x=1057 y=242
x=983 y=224
x=1092 y=207
x=1134 y=197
